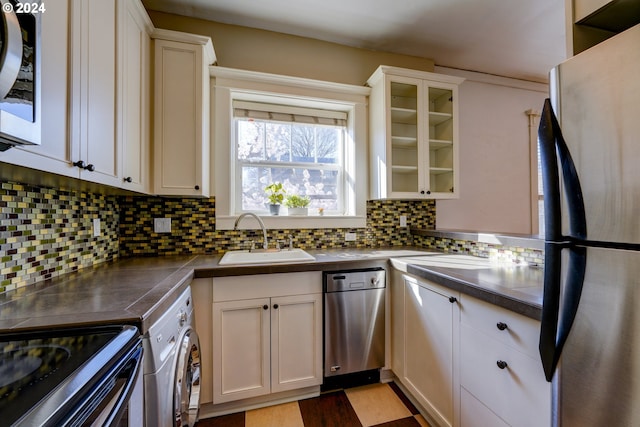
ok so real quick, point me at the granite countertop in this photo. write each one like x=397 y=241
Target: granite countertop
x=138 y=290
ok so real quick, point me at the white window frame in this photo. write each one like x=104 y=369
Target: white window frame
x=230 y=84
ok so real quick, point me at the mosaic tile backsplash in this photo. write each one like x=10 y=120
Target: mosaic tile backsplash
x=45 y=232
x=48 y=232
x=193 y=227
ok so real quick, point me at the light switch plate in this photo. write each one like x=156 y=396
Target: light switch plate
x=96 y=227
x=162 y=225
x=349 y=237
x=403 y=220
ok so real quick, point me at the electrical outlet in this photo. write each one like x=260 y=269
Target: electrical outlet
x=403 y=220
x=162 y=225
x=350 y=237
x=96 y=227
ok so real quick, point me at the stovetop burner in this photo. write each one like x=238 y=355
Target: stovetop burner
x=29 y=364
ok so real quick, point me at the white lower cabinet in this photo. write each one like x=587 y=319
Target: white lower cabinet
x=466 y=362
x=268 y=344
x=430 y=348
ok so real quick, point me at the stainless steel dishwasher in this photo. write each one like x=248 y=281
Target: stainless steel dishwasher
x=353 y=321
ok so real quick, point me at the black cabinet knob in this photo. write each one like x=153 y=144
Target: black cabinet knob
x=453 y=299
x=79 y=164
x=422 y=192
x=501 y=364
x=90 y=168
x=275 y=306
x=428 y=191
x=128 y=179
x=265 y=307
x=502 y=326
x=197 y=187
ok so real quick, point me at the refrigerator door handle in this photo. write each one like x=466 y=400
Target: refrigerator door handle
x=557 y=321
x=552 y=142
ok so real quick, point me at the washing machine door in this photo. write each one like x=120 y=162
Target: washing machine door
x=186 y=396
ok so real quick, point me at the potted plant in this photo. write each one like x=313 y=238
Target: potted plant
x=275 y=194
x=298 y=205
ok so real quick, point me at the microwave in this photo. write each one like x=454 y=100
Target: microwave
x=20 y=73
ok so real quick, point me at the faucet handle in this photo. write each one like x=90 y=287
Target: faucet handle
x=290 y=241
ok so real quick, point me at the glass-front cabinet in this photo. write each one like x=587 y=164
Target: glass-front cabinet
x=413 y=134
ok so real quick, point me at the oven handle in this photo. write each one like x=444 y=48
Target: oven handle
x=131 y=374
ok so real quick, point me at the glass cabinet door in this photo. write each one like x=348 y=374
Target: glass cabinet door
x=404 y=138
x=441 y=140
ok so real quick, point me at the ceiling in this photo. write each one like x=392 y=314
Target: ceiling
x=522 y=39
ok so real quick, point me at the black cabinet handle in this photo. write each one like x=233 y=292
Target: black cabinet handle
x=128 y=179
x=265 y=307
x=275 y=306
x=453 y=299
x=428 y=191
x=79 y=164
x=502 y=326
x=90 y=168
x=422 y=192
x=197 y=187
x=501 y=364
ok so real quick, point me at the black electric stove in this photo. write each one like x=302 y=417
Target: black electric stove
x=46 y=376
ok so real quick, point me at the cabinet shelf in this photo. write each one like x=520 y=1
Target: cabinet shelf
x=404 y=169
x=436 y=144
x=436 y=118
x=404 y=115
x=439 y=171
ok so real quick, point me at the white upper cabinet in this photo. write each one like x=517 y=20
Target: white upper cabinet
x=134 y=92
x=413 y=130
x=181 y=114
x=95 y=150
x=95 y=78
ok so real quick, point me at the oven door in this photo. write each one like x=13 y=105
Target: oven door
x=72 y=377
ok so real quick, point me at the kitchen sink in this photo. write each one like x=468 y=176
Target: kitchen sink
x=265 y=257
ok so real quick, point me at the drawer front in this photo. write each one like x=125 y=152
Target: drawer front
x=235 y=288
x=518 y=393
x=473 y=413
x=519 y=332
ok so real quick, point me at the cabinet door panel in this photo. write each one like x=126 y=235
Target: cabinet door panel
x=241 y=353
x=428 y=367
x=296 y=342
x=474 y=414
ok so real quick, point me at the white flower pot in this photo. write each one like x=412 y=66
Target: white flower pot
x=298 y=211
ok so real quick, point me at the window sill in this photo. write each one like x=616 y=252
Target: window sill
x=289 y=222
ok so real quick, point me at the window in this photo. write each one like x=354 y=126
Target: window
x=310 y=135
x=301 y=148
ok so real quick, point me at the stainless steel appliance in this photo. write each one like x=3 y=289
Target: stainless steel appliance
x=71 y=377
x=172 y=367
x=20 y=64
x=354 y=309
x=590 y=151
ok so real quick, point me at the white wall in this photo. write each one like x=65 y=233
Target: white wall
x=495 y=159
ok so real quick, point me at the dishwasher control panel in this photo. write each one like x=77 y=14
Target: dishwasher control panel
x=355 y=280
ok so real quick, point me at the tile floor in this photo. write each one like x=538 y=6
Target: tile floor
x=380 y=405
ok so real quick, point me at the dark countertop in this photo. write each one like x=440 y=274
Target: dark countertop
x=517 y=287
x=138 y=290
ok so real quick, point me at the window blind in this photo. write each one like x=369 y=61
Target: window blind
x=286 y=113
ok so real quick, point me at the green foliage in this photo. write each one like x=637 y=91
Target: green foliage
x=295 y=201
x=275 y=193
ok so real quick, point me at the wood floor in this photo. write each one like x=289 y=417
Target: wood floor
x=380 y=405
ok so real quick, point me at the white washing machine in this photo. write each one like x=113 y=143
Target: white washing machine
x=172 y=368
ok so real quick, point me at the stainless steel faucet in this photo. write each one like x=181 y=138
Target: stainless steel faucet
x=264 y=229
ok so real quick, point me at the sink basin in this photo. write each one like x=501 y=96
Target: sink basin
x=266 y=257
